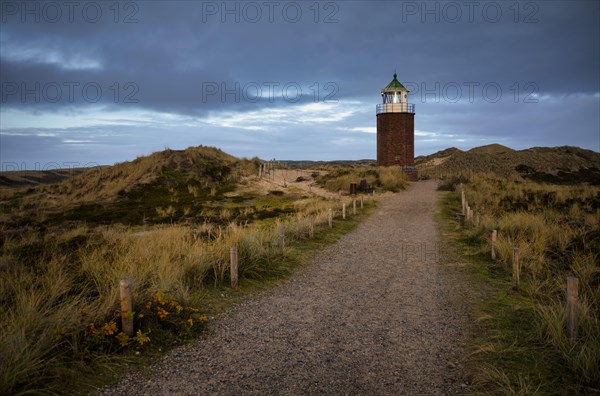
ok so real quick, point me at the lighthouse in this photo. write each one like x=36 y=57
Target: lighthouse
x=396 y=129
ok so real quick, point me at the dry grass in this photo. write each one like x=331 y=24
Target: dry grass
x=206 y=166
x=564 y=165
x=173 y=215
x=56 y=286
x=382 y=178
x=557 y=230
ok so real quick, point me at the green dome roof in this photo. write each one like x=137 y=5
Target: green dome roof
x=395 y=85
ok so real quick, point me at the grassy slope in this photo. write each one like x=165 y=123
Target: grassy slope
x=569 y=165
x=216 y=300
x=29 y=178
x=163 y=187
x=202 y=164
x=513 y=352
x=499 y=342
x=167 y=221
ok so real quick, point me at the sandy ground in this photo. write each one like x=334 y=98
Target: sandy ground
x=379 y=313
x=288 y=181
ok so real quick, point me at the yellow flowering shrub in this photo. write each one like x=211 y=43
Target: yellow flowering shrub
x=159 y=313
x=162 y=312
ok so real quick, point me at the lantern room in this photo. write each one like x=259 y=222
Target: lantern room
x=395 y=98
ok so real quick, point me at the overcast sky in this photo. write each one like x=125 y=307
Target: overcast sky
x=103 y=82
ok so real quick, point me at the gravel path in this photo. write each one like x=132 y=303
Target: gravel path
x=376 y=314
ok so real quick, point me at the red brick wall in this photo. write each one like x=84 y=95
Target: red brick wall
x=395 y=139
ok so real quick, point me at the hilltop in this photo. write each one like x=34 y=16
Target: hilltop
x=105 y=182
x=164 y=185
x=197 y=182
x=559 y=165
x=29 y=178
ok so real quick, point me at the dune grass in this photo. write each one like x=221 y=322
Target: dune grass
x=522 y=347
x=381 y=178
x=59 y=286
x=165 y=221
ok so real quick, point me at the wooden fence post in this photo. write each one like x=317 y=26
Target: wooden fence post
x=494 y=237
x=516 y=264
x=233 y=256
x=330 y=217
x=344 y=211
x=126 y=306
x=361 y=203
x=463 y=202
x=311 y=228
x=572 y=308
x=354 y=206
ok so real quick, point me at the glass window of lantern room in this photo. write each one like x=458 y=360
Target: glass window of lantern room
x=396 y=98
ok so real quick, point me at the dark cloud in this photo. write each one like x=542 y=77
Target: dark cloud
x=181 y=58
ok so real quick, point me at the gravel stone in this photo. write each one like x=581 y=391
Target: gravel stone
x=378 y=313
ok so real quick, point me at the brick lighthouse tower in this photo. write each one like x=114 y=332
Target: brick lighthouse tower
x=396 y=129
